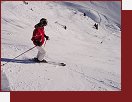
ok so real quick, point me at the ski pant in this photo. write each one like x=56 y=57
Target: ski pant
x=41 y=53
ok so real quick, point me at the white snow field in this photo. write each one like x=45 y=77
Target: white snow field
x=92 y=57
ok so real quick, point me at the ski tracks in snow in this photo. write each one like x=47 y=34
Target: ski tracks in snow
x=82 y=73
x=95 y=82
x=53 y=77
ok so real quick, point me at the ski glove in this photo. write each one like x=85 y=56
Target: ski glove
x=47 y=37
x=38 y=43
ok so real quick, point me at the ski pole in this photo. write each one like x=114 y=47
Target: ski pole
x=18 y=56
x=45 y=43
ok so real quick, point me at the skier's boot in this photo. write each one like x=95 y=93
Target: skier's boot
x=43 y=61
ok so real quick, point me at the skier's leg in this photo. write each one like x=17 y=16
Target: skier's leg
x=38 y=54
x=41 y=53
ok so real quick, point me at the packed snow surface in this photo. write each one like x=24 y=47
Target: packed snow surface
x=92 y=57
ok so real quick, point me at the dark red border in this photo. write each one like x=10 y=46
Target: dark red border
x=121 y=96
x=66 y=96
x=126 y=53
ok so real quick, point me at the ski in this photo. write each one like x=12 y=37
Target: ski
x=49 y=62
x=56 y=63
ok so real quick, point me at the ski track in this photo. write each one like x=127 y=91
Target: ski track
x=92 y=57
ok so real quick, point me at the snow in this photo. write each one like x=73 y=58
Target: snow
x=92 y=57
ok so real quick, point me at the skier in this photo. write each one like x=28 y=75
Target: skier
x=96 y=26
x=65 y=27
x=84 y=14
x=38 y=39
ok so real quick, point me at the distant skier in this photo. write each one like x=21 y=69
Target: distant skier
x=96 y=26
x=65 y=27
x=84 y=14
x=38 y=39
x=26 y=3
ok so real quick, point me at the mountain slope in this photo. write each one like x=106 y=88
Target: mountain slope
x=92 y=56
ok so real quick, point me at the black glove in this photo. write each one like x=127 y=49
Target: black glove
x=47 y=37
x=38 y=43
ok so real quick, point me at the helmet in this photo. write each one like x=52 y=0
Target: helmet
x=43 y=21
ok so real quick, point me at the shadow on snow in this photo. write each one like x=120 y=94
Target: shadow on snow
x=25 y=61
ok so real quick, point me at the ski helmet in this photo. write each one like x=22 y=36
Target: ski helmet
x=43 y=21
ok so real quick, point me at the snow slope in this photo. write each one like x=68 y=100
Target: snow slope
x=92 y=57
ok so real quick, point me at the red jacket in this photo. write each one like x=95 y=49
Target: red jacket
x=38 y=34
